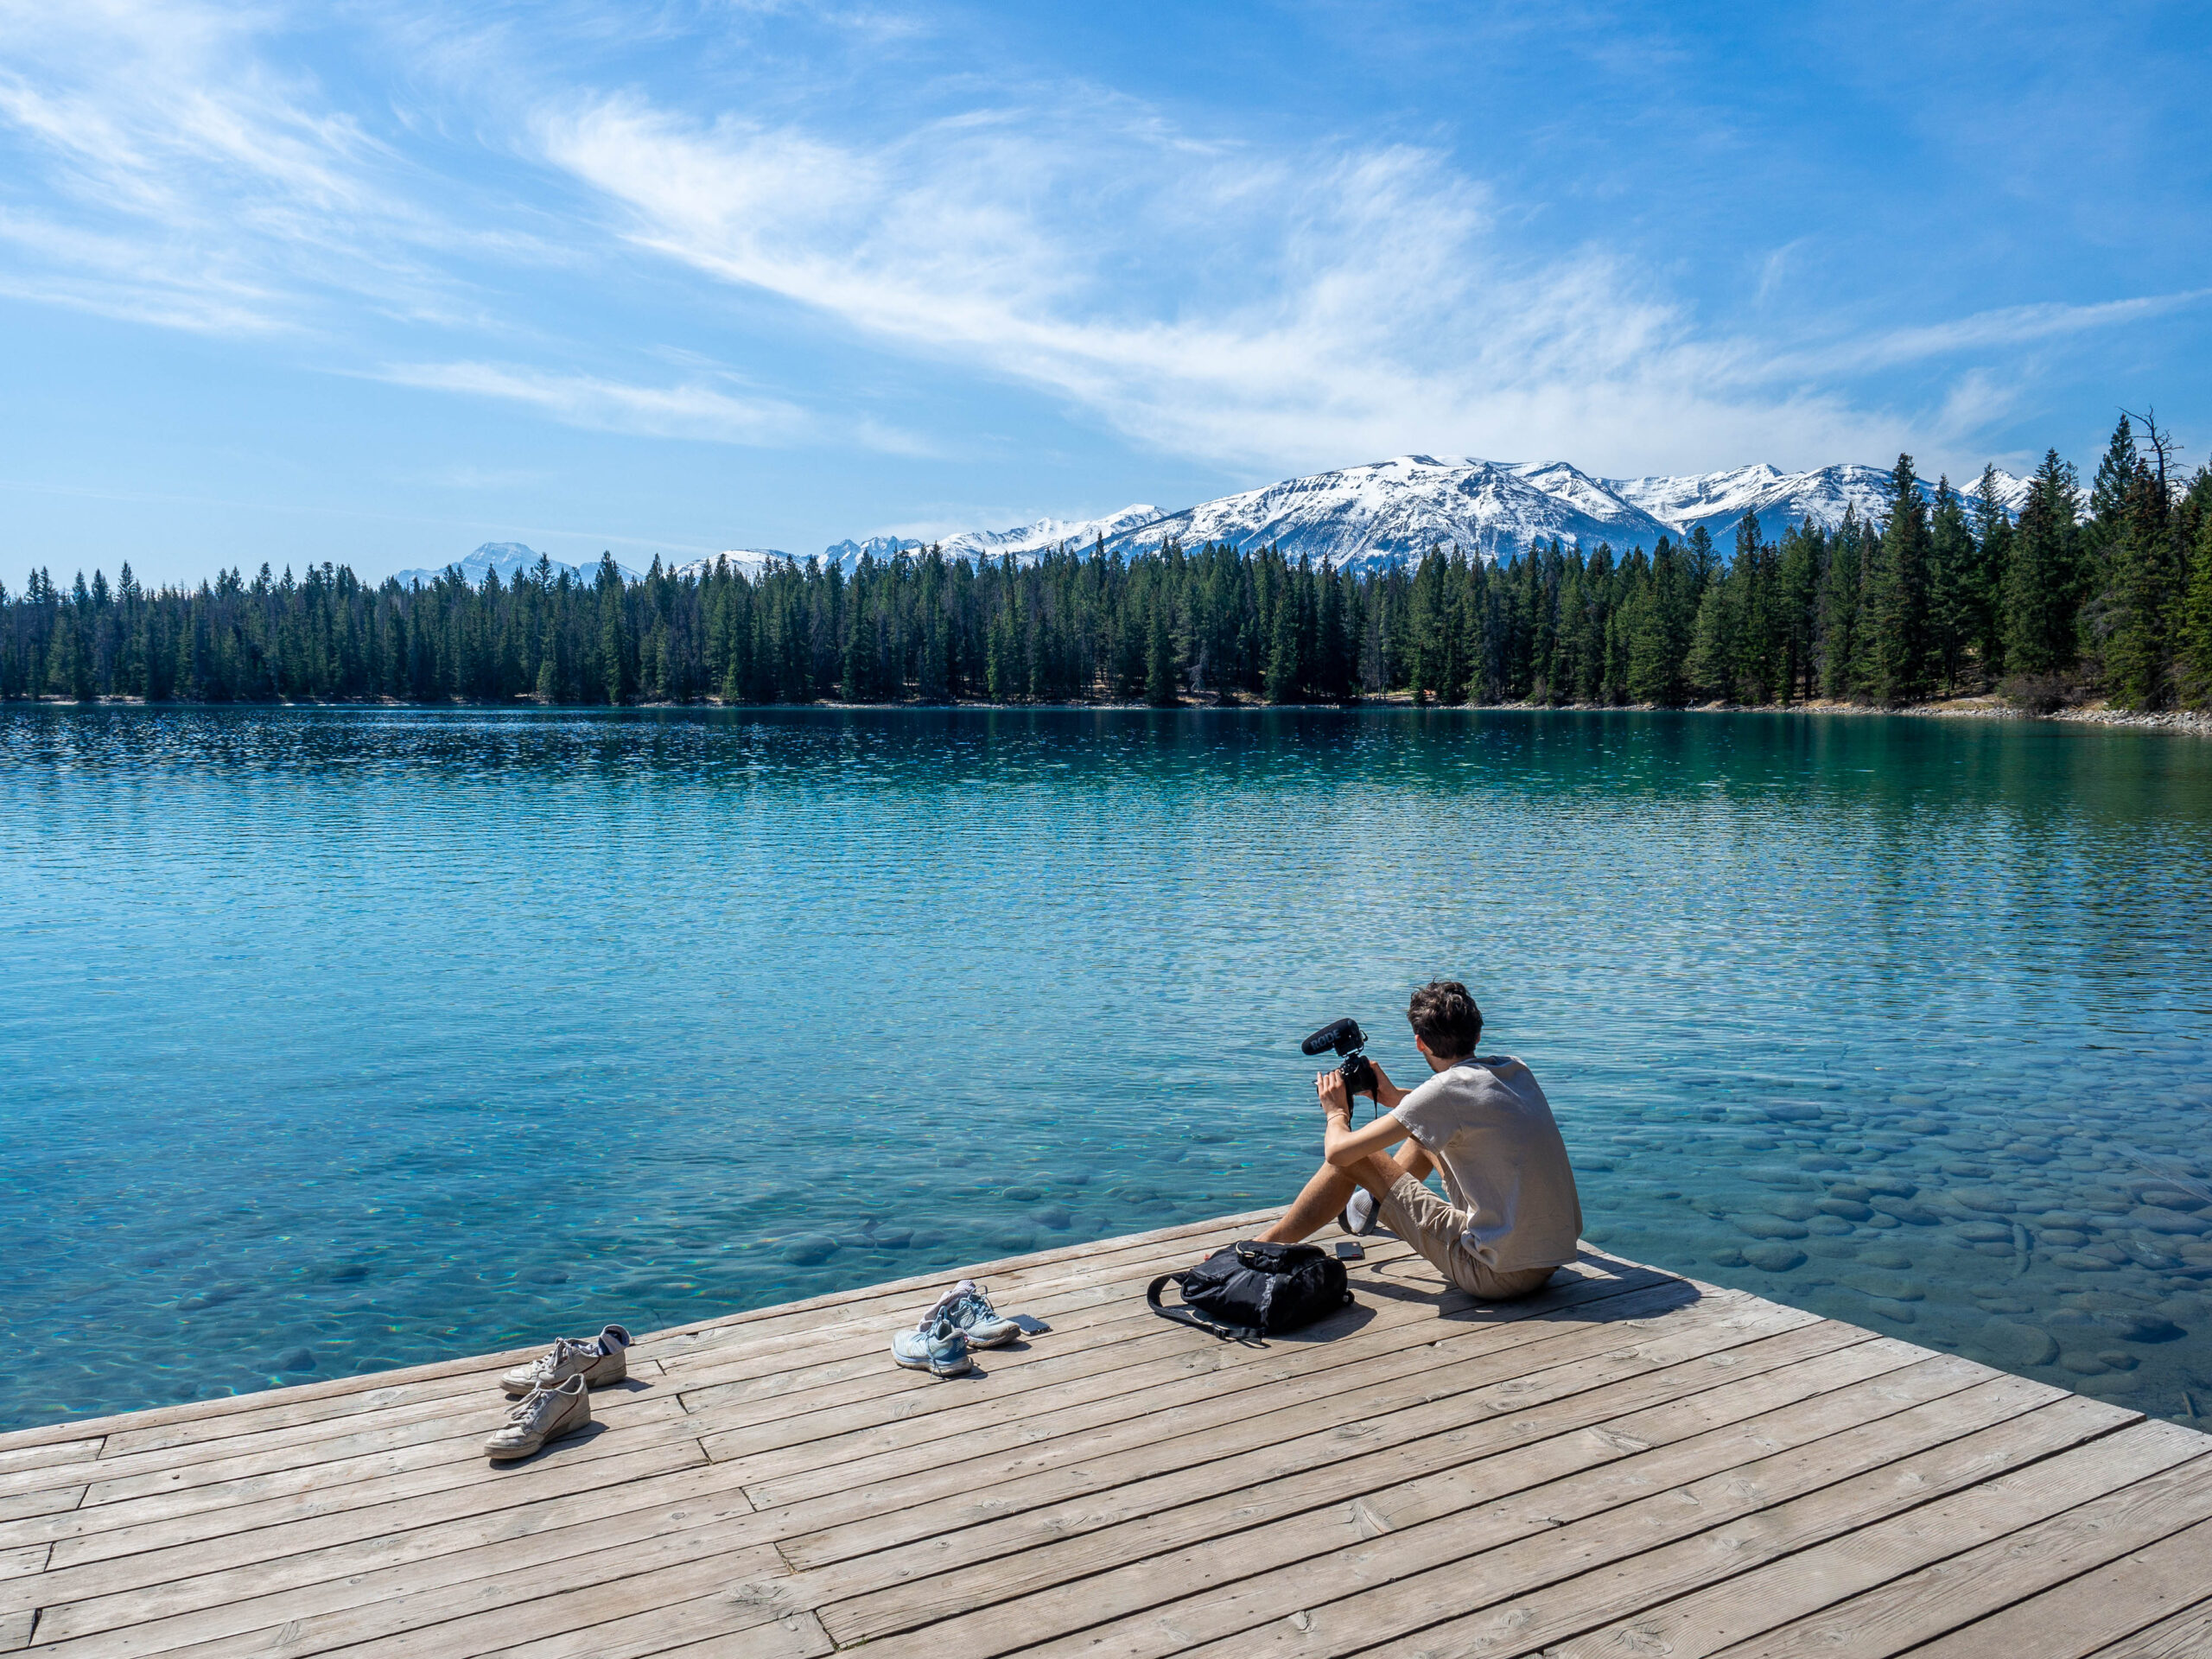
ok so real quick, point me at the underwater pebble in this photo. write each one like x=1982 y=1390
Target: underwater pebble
x=1789 y=1209
x=1829 y=1226
x=1985 y=1198
x=2061 y=1238
x=2077 y=1261
x=2011 y=1344
x=1984 y=1232
x=809 y=1251
x=1887 y=1186
x=1883 y=1255
x=2169 y=1223
x=1774 y=1258
x=1852 y=1192
x=1768 y=1227
x=1887 y=1286
x=1908 y=1211
x=1848 y=1209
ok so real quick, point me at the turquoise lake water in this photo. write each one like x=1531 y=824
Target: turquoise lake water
x=337 y=1041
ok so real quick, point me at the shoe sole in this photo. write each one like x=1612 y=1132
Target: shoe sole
x=932 y=1368
x=515 y=1453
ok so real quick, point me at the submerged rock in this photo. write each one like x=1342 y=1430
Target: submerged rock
x=1769 y=1227
x=1889 y=1287
x=1774 y=1258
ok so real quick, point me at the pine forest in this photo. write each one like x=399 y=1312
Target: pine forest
x=2106 y=592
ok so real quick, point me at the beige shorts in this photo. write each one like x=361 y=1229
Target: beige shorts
x=1438 y=1231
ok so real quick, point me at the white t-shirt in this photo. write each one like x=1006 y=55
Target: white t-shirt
x=1490 y=1130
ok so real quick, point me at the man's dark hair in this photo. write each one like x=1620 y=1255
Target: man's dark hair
x=1444 y=1017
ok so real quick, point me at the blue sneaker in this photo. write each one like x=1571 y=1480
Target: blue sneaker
x=966 y=1306
x=939 y=1347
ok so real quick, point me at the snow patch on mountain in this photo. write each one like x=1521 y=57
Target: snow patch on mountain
x=1024 y=542
x=1719 y=500
x=1398 y=509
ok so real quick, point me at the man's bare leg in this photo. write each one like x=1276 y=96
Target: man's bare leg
x=1322 y=1198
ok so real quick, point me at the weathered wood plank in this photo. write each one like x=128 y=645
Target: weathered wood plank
x=612 y=1547
x=1100 y=1577
x=687 y=1626
x=2074 y=1619
x=1397 y=1341
x=1633 y=1462
x=1921 y=1607
x=2186 y=1635
x=554 y=1528
x=1517 y=1594
x=1309 y=1429
x=1708 y=1621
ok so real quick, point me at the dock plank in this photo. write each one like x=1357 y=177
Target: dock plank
x=1632 y=1463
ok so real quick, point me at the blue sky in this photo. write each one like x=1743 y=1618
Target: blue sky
x=377 y=284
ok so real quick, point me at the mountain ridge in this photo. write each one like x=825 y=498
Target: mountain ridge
x=1381 y=511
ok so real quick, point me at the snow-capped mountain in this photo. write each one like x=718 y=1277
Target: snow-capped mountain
x=749 y=561
x=1045 y=534
x=1388 y=510
x=510 y=559
x=1361 y=516
x=1029 y=540
x=1719 y=500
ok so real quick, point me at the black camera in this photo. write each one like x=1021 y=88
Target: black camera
x=1345 y=1039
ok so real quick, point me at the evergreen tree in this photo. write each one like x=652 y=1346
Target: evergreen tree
x=1904 y=658
x=1160 y=655
x=1954 y=569
x=2193 y=648
x=2043 y=582
x=2147 y=572
x=1982 y=596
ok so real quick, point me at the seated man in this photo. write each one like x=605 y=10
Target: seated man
x=1513 y=1214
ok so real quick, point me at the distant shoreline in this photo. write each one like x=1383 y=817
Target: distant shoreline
x=2196 y=722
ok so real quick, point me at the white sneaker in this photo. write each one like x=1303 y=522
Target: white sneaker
x=1359 y=1216
x=547 y=1415
x=598 y=1360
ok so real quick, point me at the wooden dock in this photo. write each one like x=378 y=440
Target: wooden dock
x=1631 y=1465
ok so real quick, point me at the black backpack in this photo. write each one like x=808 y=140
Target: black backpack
x=1252 y=1289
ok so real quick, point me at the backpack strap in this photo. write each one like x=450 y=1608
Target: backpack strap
x=1192 y=1317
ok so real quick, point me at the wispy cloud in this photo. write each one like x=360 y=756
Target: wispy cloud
x=1269 y=311
x=1264 y=305
x=678 y=411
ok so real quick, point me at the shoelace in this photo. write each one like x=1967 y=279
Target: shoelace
x=563 y=1348
x=948 y=1303
x=536 y=1402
